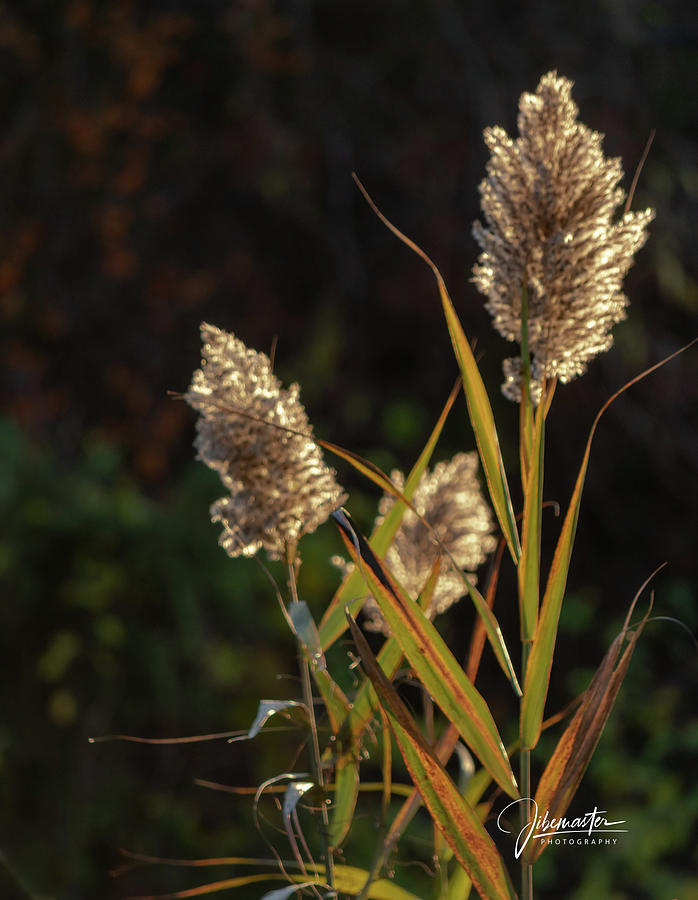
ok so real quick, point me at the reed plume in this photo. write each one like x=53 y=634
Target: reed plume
x=279 y=487
x=549 y=202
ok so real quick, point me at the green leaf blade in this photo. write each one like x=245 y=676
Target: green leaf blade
x=434 y=663
x=482 y=420
x=540 y=662
x=479 y=408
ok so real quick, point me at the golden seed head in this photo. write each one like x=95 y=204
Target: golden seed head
x=549 y=202
x=279 y=485
x=450 y=500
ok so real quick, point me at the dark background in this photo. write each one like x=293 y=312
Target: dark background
x=167 y=163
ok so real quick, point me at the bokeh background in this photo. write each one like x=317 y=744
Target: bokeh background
x=164 y=163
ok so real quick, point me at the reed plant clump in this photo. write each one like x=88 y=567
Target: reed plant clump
x=554 y=252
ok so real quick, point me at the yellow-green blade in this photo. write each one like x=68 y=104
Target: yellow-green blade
x=459 y=885
x=346 y=791
x=540 y=661
x=482 y=420
x=479 y=407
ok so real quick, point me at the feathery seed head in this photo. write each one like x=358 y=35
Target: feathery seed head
x=449 y=498
x=548 y=202
x=279 y=485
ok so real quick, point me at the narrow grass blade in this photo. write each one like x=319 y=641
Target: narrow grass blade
x=433 y=662
x=479 y=407
x=334 y=623
x=482 y=420
x=347 y=745
x=477 y=639
x=455 y=818
x=387 y=764
x=541 y=659
x=493 y=632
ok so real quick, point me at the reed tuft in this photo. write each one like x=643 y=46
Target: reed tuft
x=549 y=202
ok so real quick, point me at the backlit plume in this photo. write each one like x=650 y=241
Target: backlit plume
x=279 y=486
x=449 y=498
x=549 y=202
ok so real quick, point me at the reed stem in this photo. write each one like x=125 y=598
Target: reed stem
x=314 y=743
x=525 y=784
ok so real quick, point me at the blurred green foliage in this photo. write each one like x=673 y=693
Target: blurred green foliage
x=122 y=615
x=643 y=769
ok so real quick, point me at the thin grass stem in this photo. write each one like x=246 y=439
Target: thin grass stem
x=314 y=742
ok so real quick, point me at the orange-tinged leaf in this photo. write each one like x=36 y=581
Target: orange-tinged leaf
x=573 y=753
x=565 y=770
x=455 y=818
x=433 y=662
